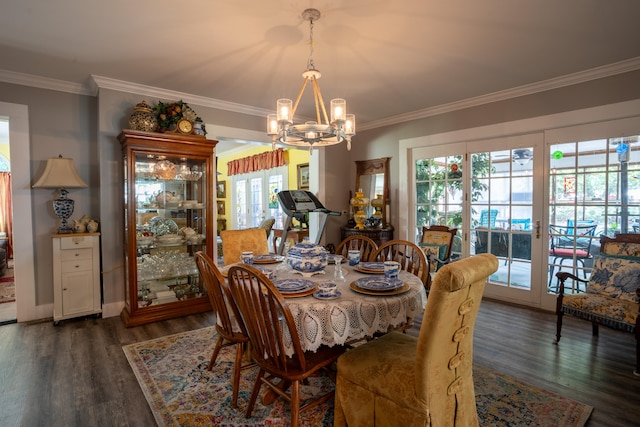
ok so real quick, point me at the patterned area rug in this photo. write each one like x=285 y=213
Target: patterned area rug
x=7 y=289
x=172 y=372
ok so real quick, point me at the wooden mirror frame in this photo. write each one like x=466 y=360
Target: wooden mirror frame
x=374 y=167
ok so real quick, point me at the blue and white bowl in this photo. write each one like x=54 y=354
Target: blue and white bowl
x=307 y=257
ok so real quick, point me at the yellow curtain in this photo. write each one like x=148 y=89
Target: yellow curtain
x=6 y=207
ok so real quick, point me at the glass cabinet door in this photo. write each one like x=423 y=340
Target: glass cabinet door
x=170 y=227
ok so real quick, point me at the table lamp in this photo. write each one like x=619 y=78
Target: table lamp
x=60 y=173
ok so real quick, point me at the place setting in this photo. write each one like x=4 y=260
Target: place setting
x=370 y=267
x=327 y=291
x=389 y=284
x=294 y=288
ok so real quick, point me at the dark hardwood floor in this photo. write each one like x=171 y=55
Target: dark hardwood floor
x=76 y=374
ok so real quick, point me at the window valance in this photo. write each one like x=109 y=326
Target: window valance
x=257 y=162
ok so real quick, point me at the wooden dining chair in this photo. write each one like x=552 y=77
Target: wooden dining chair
x=270 y=326
x=407 y=254
x=366 y=245
x=231 y=330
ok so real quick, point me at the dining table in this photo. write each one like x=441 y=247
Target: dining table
x=353 y=314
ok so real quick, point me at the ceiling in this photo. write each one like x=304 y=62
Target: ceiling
x=388 y=59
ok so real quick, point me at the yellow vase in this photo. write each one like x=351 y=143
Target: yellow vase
x=359 y=202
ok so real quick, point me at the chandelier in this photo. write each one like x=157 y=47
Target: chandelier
x=320 y=132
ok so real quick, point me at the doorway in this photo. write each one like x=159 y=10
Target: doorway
x=493 y=196
x=7 y=282
x=18 y=118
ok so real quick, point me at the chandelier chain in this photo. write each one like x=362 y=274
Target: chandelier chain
x=310 y=61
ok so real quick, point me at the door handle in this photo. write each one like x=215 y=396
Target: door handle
x=537 y=229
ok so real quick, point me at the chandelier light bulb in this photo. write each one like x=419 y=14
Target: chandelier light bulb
x=272 y=124
x=350 y=125
x=338 y=109
x=284 y=110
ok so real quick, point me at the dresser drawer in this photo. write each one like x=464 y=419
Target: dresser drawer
x=76 y=265
x=71 y=254
x=76 y=242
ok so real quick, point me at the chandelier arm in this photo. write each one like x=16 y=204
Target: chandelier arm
x=316 y=99
x=324 y=110
x=295 y=106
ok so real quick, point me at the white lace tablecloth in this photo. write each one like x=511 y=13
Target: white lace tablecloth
x=352 y=316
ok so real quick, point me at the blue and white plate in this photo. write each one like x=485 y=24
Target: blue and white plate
x=294 y=286
x=371 y=267
x=267 y=259
x=378 y=283
x=320 y=295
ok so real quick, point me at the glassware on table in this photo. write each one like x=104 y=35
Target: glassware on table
x=338 y=274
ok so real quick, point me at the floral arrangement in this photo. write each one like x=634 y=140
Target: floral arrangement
x=169 y=113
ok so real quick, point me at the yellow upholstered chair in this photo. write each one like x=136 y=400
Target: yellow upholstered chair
x=234 y=242
x=401 y=380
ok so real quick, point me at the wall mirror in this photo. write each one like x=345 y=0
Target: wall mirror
x=372 y=176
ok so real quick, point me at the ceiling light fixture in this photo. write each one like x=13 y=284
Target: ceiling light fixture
x=321 y=132
x=522 y=156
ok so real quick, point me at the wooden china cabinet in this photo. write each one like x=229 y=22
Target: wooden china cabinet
x=169 y=200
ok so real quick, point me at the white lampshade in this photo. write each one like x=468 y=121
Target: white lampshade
x=60 y=173
x=284 y=109
x=338 y=110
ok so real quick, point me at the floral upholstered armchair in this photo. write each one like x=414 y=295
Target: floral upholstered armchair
x=436 y=243
x=612 y=293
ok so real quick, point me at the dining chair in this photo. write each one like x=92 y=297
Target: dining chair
x=234 y=242
x=488 y=218
x=570 y=243
x=272 y=332
x=407 y=254
x=436 y=243
x=402 y=380
x=366 y=245
x=231 y=330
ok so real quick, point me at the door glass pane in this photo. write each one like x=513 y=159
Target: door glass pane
x=275 y=186
x=502 y=224
x=257 y=212
x=439 y=192
x=593 y=191
x=241 y=204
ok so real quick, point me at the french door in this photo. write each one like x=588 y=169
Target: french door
x=255 y=197
x=492 y=191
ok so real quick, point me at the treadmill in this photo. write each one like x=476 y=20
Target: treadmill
x=297 y=203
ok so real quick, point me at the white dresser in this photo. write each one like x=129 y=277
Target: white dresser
x=76 y=276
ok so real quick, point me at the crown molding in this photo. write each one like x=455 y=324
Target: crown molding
x=7 y=76
x=632 y=64
x=99 y=82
